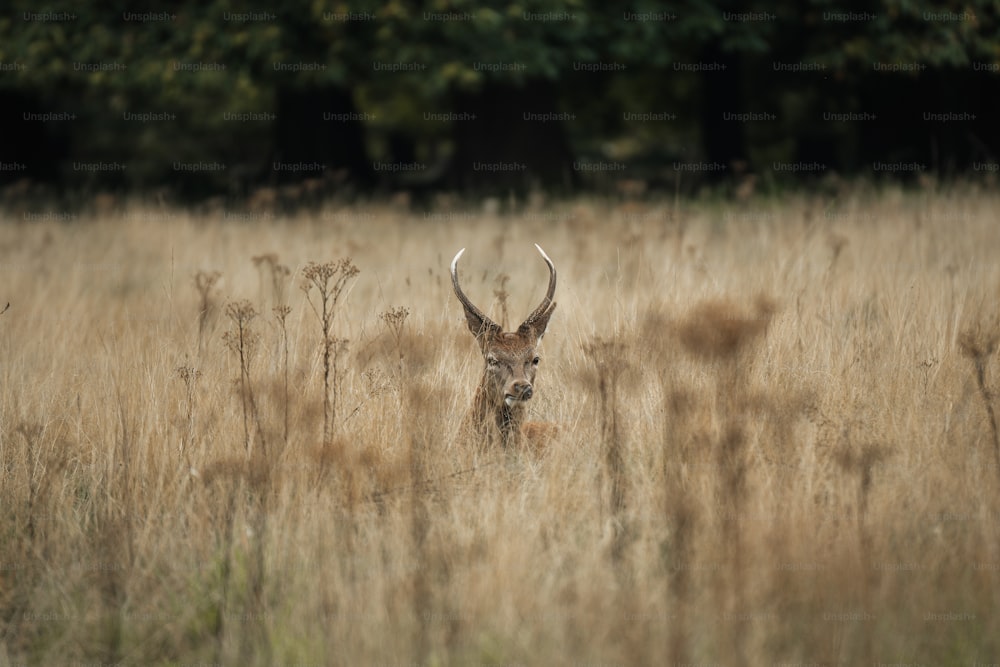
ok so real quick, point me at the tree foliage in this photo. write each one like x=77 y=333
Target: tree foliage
x=200 y=65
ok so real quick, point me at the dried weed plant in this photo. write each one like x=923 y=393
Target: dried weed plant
x=273 y=273
x=281 y=314
x=609 y=366
x=329 y=281
x=720 y=333
x=978 y=343
x=189 y=376
x=204 y=284
x=243 y=340
x=730 y=485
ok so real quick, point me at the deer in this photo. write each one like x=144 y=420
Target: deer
x=511 y=359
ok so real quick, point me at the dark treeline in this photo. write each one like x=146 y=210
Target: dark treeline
x=207 y=98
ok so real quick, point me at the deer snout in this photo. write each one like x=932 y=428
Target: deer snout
x=521 y=391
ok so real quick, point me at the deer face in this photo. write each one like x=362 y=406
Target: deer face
x=511 y=357
x=511 y=362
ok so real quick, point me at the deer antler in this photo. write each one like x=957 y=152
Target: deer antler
x=546 y=306
x=471 y=311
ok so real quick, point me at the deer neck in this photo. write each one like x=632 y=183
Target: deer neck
x=493 y=417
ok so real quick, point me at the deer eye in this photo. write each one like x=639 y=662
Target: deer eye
x=492 y=361
x=534 y=362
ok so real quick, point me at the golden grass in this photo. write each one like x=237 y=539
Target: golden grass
x=774 y=438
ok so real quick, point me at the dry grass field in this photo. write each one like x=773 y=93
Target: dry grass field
x=774 y=447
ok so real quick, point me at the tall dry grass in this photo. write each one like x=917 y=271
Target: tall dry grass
x=776 y=444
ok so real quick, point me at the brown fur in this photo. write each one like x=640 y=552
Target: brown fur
x=507 y=384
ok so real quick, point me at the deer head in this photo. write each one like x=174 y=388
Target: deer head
x=511 y=360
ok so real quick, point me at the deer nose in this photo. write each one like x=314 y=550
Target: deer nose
x=523 y=390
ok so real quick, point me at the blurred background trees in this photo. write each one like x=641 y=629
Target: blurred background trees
x=212 y=98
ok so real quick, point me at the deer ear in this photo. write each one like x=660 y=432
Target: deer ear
x=483 y=328
x=537 y=325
